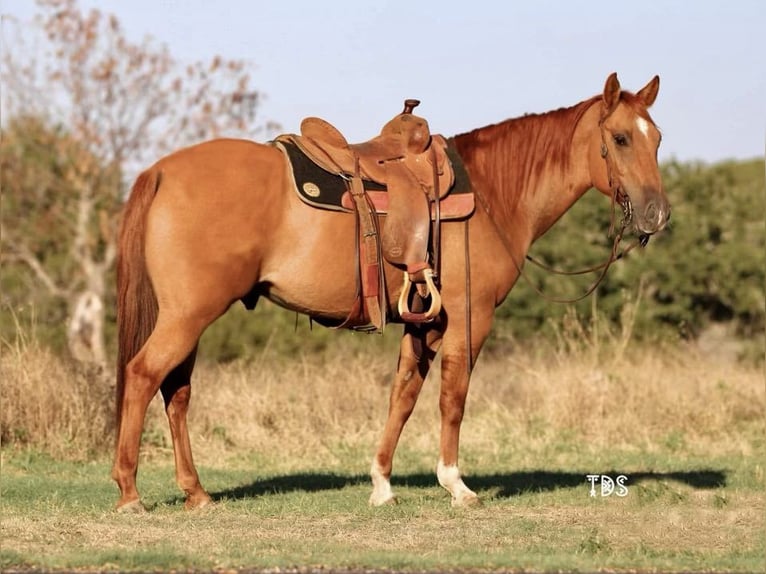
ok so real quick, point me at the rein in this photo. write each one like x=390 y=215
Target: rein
x=603 y=267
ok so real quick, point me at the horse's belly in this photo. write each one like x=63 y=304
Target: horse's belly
x=311 y=265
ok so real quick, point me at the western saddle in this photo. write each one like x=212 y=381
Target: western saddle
x=414 y=167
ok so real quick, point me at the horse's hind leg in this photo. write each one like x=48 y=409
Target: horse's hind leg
x=176 y=392
x=171 y=342
x=418 y=348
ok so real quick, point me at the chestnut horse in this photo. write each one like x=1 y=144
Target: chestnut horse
x=218 y=222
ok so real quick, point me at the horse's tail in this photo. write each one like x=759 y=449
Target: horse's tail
x=136 y=301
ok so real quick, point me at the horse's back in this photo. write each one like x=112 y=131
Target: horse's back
x=235 y=162
x=220 y=181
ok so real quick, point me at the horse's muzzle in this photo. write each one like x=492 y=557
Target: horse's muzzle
x=653 y=217
x=650 y=211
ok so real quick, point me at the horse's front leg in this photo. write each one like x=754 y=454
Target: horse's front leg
x=456 y=374
x=454 y=389
x=418 y=348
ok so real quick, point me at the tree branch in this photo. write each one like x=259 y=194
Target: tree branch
x=22 y=254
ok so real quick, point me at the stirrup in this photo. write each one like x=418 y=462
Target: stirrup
x=436 y=300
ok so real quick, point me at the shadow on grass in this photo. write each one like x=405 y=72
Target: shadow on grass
x=505 y=484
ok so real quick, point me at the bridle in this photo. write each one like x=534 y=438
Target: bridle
x=618 y=198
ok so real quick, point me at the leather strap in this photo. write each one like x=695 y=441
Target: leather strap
x=467 y=255
x=436 y=235
x=370 y=299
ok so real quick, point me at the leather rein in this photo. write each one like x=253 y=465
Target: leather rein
x=618 y=197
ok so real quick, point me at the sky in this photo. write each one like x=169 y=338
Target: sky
x=478 y=62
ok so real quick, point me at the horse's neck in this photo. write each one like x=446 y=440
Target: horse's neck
x=555 y=193
x=546 y=177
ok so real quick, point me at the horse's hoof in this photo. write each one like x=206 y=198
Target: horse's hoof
x=466 y=501
x=132 y=507
x=389 y=501
x=198 y=501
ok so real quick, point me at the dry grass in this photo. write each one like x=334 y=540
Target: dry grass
x=53 y=405
x=331 y=412
x=594 y=389
x=302 y=430
x=643 y=399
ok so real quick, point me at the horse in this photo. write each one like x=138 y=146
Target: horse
x=217 y=223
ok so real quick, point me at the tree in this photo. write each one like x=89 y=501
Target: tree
x=712 y=269
x=89 y=107
x=43 y=229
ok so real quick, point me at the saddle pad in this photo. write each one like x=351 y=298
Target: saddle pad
x=325 y=190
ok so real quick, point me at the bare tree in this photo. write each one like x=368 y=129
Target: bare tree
x=117 y=106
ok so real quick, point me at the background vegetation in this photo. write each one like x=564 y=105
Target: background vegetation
x=284 y=444
x=659 y=375
x=104 y=107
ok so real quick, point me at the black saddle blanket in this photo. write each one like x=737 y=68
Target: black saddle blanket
x=325 y=190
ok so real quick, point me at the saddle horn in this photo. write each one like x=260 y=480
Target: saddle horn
x=409 y=105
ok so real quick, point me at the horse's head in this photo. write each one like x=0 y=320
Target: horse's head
x=623 y=156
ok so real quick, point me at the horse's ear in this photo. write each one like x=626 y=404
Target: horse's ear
x=611 y=93
x=649 y=92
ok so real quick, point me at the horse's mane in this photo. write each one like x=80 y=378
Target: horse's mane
x=509 y=154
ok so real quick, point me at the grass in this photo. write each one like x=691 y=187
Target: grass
x=57 y=515
x=284 y=447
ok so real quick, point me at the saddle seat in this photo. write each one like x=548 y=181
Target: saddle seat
x=406 y=138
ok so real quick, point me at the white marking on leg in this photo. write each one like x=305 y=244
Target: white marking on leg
x=381 y=487
x=449 y=478
x=643 y=126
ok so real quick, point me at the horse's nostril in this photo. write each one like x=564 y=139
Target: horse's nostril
x=651 y=212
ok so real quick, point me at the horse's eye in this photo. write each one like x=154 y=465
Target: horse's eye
x=620 y=139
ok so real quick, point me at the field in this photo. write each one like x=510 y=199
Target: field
x=284 y=448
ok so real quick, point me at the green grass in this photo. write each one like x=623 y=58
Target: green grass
x=284 y=448
x=680 y=514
